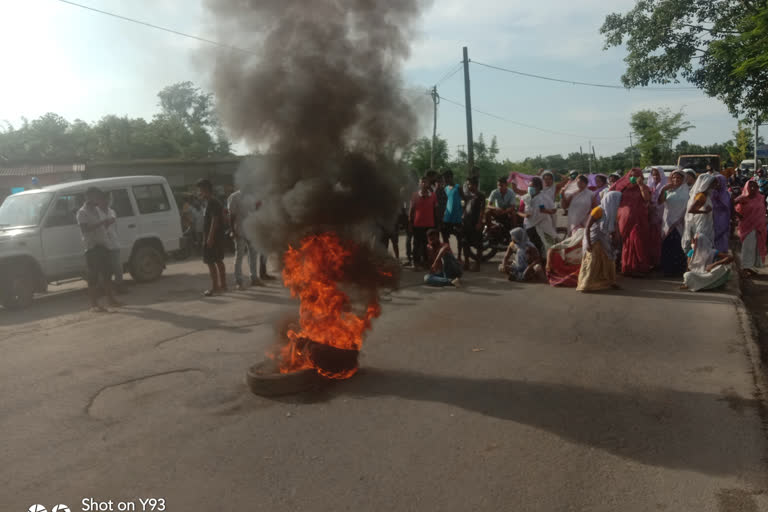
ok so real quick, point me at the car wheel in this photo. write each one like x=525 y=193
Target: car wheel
x=147 y=264
x=19 y=289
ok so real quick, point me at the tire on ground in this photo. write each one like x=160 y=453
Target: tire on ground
x=147 y=263
x=264 y=380
x=19 y=281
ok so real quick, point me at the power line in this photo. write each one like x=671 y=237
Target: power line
x=529 y=125
x=450 y=73
x=158 y=27
x=575 y=82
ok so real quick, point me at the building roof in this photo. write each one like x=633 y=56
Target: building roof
x=40 y=170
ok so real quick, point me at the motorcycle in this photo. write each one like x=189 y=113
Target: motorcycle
x=496 y=238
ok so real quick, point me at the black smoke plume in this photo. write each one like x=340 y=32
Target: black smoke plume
x=322 y=96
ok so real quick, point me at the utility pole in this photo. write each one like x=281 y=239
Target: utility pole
x=468 y=103
x=435 y=101
x=631 y=144
x=594 y=157
x=757 y=128
x=589 y=157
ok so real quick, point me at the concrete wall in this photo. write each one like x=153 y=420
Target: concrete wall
x=181 y=174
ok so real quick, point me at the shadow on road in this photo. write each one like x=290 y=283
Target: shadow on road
x=659 y=427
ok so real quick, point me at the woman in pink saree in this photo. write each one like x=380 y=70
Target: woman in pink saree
x=750 y=208
x=633 y=222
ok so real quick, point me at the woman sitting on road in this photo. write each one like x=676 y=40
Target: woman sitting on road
x=673 y=200
x=578 y=203
x=522 y=261
x=598 y=265
x=709 y=268
x=564 y=260
x=750 y=209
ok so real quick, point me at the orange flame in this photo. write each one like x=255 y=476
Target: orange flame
x=313 y=272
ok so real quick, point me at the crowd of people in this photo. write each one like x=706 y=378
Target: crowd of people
x=679 y=225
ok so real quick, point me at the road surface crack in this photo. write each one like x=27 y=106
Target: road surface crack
x=134 y=380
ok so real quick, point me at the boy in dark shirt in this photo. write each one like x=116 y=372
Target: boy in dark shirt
x=474 y=207
x=213 y=238
x=444 y=269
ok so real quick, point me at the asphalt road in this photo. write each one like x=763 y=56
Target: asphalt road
x=496 y=397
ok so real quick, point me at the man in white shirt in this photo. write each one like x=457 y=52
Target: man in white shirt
x=240 y=206
x=93 y=224
x=113 y=245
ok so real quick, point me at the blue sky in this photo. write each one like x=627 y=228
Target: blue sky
x=85 y=65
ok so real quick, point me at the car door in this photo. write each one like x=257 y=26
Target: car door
x=127 y=220
x=63 y=250
x=155 y=209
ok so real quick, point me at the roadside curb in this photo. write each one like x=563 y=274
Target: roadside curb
x=749 y=332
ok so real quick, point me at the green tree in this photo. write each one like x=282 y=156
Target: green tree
x=741 y=145
x=186 y=127
x=489 y=169
x=418 y=156
x=657 y=131
x=720 y=46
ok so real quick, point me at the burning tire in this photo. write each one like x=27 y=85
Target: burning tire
x=264 y=379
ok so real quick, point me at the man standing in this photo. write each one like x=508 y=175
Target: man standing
x=93 y=227
x=453 y=212
x=240 y=206
x=474 y=208
x=113 y=244
x=422 y=218
x=213 y=238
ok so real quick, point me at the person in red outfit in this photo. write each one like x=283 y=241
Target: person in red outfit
x=422 y=218
x=634 y=226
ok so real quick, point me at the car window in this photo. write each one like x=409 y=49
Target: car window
x=151 y=199
x=120 y=202
x=24 y=210
x=63 y=212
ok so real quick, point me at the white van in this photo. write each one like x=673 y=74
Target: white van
x=40 y=240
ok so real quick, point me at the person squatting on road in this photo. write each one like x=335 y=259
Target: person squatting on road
x=444 y=269
x=93 y=223
x=522 y=261
x=564 y=260
x=213 y=238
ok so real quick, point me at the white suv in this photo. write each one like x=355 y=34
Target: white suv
x=40 y=241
